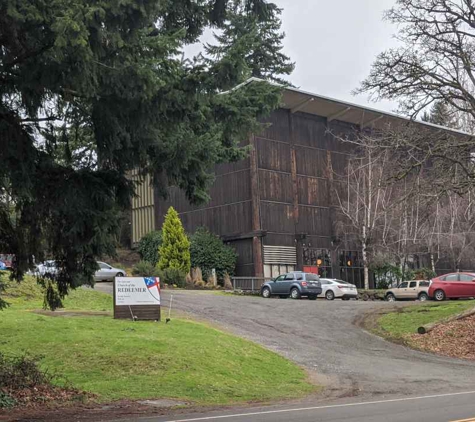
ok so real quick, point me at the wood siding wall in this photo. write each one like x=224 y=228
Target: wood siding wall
x=285 y=188
x=310 y=145
x=229 y=211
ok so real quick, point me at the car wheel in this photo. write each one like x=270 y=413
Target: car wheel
x=390 y=297
x=439 y=295
x=294 y=293
x=266 y=293
x=329 y=295
x=423 y=297
x=312 y=297
x=119 y=274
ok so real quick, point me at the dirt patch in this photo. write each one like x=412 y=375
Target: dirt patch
x=71 y=313
x=81 y=412
x=454 y=339
x=369 y=320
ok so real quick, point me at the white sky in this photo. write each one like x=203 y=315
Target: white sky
x=333 y=44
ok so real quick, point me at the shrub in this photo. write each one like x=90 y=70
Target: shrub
x=200 y=283
x=228 y=285
x=210 y=283
x=145 y=269
x=173 y=276
x=386 y=275
x=175 y=248
x=6 y=401
x=19 y=372
x=196 y=274
x=424 y=274
x=148 y=247
x=23 y=382
x=208 y=252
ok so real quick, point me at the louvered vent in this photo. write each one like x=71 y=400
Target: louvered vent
x=280 y=255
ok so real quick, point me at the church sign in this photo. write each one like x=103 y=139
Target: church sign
x=137 y=298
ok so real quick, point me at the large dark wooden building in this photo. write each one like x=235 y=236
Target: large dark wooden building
x=276 y=208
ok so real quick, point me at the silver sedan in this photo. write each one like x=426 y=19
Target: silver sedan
x=107 y=272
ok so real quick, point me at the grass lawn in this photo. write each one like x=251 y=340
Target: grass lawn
x=118 y=359
x=397 y=325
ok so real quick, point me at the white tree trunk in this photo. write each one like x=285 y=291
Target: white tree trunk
x=365 y=267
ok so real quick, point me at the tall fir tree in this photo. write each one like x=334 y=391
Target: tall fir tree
x=440 y=114
x=174 y=252
x=258 y=43
x=109 y=75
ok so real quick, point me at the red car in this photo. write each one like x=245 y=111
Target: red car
x=452 y=286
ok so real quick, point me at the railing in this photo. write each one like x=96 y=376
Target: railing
x=249 y=283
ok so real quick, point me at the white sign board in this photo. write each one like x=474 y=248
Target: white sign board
x=137 y=291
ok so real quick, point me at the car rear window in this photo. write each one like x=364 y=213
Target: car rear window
x=312 y=277
x=466 y=277
x=424 y=284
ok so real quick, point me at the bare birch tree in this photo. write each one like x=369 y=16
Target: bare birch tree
x=435 y=64
x=364 y=197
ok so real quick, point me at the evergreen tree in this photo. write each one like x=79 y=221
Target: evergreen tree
x=257 y=42
x=108 y=75
x=440 y=114
x=174 y=251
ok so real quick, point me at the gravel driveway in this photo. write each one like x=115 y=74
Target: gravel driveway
x=320 y=335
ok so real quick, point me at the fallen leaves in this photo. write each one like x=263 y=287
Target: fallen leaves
x=455 y=339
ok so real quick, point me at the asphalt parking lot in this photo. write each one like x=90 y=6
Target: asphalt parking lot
x=320 y=335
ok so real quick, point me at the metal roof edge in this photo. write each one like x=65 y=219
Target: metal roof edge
x=353 y=105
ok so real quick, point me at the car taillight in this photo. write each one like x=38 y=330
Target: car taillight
x=341 y=287
x=304 y=283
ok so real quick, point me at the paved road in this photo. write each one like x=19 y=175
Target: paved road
x=446 y=408
x=321 y=337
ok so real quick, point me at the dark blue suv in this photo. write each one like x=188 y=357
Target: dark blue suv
x=295 y=284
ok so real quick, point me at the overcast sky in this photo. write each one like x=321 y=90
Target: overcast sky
x=334 y=43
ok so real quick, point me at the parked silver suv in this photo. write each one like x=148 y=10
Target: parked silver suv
x=295 y=284
x=413 y=289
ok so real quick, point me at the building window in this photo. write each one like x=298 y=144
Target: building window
x=318 y=261
x=351 y=268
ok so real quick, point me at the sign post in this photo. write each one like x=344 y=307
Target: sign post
x=137 y=298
